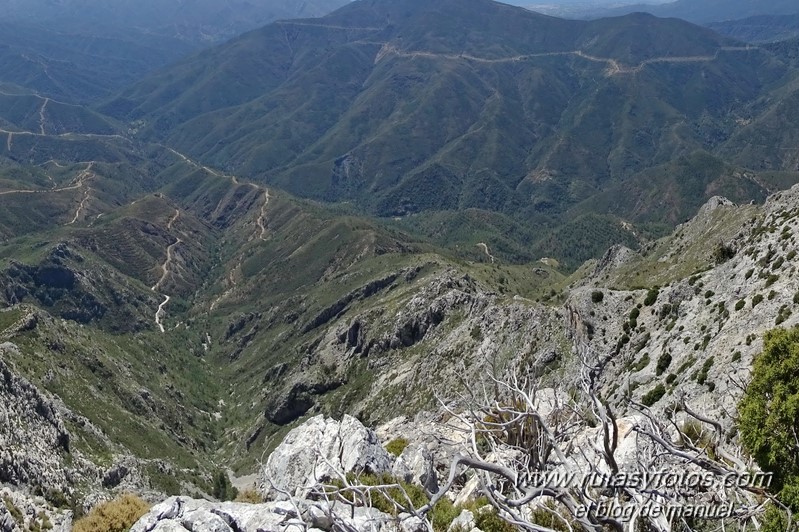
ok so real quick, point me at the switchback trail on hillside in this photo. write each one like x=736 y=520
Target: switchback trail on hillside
x=260 y=221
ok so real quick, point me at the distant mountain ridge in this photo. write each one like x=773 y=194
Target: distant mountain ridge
x=702 y=11
x=84 y=50
x=760 y=29
x=410 y=107
x=194 y=21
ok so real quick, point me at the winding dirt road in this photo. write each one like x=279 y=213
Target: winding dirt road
x=613 y=66
x=161 y=312
x=169 y=254
x=77 y=183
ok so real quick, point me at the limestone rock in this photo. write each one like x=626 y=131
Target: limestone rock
x=318 y=448
x=465 y=521
x=33 y=434
x=24 y=512
x=415 y=465
x=182 y=514
x=7 y=523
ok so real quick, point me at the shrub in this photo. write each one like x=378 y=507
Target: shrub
x=740 y=304
x=113 y=516
x=783 y=314
x=476 y=333
x=757 y=300
x=249 y=496
x=641 y=364
x=490 y=521
x=443 y=514
x=663 y=363
x=15 y=512
x=223 y=489
x=651 y=297
x=597 y=296
x=749 y=273
x=772 y=278
x=723 y=253
x=769 y=407
x=701 y=375
x=653 y=395
x=634 y=313
x=396 y=446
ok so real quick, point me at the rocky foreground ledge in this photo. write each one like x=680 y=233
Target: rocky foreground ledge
x=312 y=453
x=180 y=514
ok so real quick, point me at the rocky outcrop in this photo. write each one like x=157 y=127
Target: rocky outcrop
x=614 y=257
x=20 y=512
x=180 y=514
x=316 y=450
x=32 y=432
x=298 y=400
x=415 y=465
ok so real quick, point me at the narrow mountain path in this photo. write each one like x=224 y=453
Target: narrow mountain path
x=211 y=171
x=80 y=181
x=161 y=312
x=82 y=205
x=487 y=251
x=53 y=162
x=42 y=119
x=262 y=215
x=51 y=180
x=232 y=284
x=169 y=255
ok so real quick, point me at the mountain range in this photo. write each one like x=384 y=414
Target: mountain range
x=393 y=107
x=81 y=51
x=761 y=28
x=358 y=212
x=193 y=21
x=697 y=11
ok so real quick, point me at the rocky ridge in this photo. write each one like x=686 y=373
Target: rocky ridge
x=718 y=283
x=691 y=338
